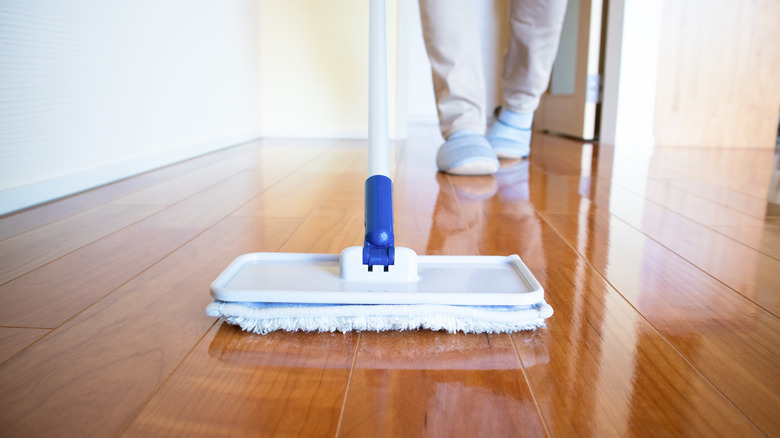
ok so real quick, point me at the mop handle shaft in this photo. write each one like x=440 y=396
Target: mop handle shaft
x=379 y=244
x=378 y=148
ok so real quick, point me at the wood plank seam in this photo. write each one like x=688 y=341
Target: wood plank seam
x=609 y=180
x=596 y=205
x=530 y=388
x=27 y=270
x=75 y=315
x=27 y=346
x=349 y=382
x=163 y=209
x=184 y=358
x=86 y=243
x=654 y=328
x=228 y=152
x=685 y=217
x=154 y=393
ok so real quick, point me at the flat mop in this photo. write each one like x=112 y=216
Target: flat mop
x=378 y=286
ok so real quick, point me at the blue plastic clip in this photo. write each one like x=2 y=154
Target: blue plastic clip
x=379 y=246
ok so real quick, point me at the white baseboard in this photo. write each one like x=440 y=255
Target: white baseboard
x=18 y=198
x=313 y=133
x=357 y=134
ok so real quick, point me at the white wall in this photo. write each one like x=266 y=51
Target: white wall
x=315 y=67
x=92 y=91
x=421 y=103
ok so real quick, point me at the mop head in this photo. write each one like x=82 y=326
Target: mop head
x=264 y=292
x=264 y=318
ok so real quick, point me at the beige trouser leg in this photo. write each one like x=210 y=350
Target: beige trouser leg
x=452 y=39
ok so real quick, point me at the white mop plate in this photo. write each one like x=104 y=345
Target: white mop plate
x=315 y=278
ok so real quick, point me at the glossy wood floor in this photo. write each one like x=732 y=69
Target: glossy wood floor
x=662 y=267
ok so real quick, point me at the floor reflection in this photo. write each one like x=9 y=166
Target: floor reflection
x=283 y=349
x=663 y=314
x=435 y=350
x=450 y=384
x=496 y=210
x=673 y=232
x=773 y=197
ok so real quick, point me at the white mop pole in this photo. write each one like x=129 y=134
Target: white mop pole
x=378 y=146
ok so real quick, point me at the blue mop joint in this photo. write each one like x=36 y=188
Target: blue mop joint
x=379 y=245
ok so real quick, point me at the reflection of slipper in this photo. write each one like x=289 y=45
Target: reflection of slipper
x=474 y=188
x=512 y=179
x=512 y=172
x=467 y=155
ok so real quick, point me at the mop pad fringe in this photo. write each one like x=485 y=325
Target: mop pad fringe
x=263 y=318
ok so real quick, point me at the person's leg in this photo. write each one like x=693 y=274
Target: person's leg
x=535 y=29
x=452 y=40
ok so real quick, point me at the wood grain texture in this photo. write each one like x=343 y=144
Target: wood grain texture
x=188 y=184
x=24 y=252
x=438 y=384
x=26 y=220
x=747 y=270
x=14 y=339
x=50 y=295
x=676 y=259
x=602 y=370
x=726 y=337
x=664 y=320
x=30 y=219
x=765 y=238
x=164 y=303
x=427 y=217
x=239 y=384
x=54 y=293
x=566 y=276
x=112 y=357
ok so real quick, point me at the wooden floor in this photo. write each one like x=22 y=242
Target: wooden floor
x=662 y=267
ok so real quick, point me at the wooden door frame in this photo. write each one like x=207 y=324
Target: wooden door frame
x=575 y=114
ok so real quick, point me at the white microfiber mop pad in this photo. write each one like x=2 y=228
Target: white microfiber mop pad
x=264 y=318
